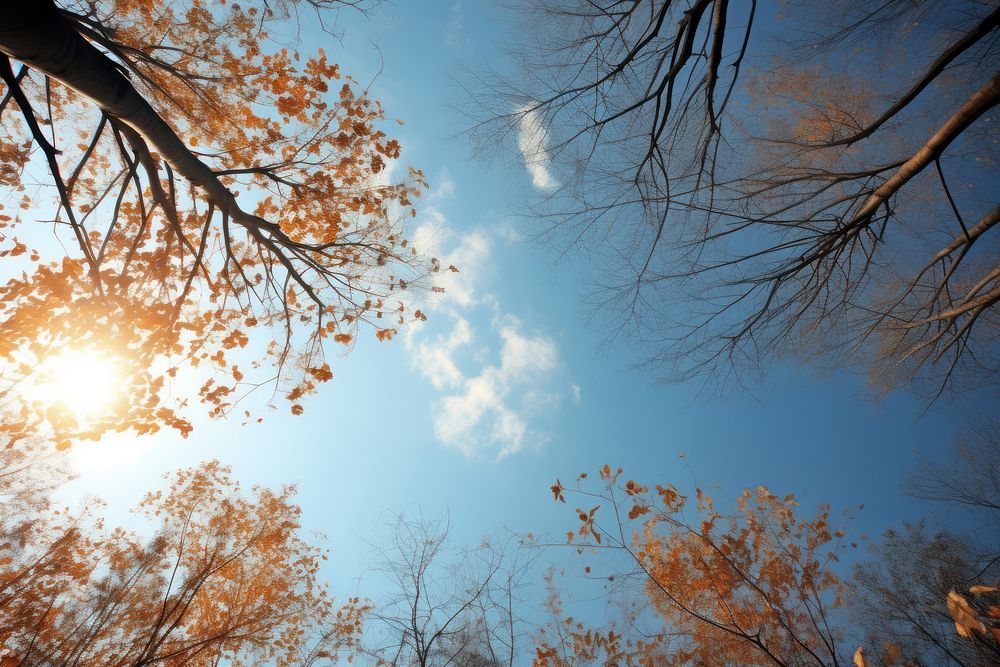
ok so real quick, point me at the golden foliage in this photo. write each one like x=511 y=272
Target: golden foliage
x=224 y=578
x=169 y=279
x=744 y=588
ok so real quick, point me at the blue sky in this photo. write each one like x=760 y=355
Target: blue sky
x=506 y=387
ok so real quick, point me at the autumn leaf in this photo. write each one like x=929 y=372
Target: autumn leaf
x=708 y=575
x=250 y=594
x=979 y=589
x=965 y=617
x=221 y=243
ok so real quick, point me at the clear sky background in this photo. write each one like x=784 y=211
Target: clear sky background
x=506 y=388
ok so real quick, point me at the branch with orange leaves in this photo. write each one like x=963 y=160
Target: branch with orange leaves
x=753 y=586
x=178 y=109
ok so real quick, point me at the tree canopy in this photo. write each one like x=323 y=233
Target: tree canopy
x=758 y=179
x=764 y=584
x=225 y=577
x=225 y=209
x=218 y=191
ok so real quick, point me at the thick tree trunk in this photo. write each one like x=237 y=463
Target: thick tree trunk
x=36 y=33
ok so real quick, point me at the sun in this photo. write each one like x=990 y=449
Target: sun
x=84 y=382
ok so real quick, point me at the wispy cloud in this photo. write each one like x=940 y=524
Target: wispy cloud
x=509 y=232
x=468 y=251
x=444 y=188
x=435 y=358
x=532 y=140
x=454 y=33
x=483 y=416
x=494 y=383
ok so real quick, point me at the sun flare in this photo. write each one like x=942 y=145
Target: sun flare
x=83 y=382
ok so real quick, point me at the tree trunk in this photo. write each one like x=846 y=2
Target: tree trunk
x=37 y=34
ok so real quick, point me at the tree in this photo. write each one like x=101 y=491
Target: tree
x=969 y=480
x=43 y=548
x=748 y=195
x=910 y=592
x=903 y=593
x=218 y=189
x=756 y=587
x=762 y=585
x=442 y=611
x=224 y=579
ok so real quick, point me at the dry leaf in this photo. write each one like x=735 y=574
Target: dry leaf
x=966 y=619
x=892 y=653
x=978 y=590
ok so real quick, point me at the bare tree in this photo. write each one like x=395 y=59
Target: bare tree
x=39 y=541
x=900 y=603
x=828 y=191
x=969 y=479
x=902 y=594
x=445 y=607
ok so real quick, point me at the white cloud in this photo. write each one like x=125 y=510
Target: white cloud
x=454 y=34
x=444 y=188
x=489 y=395
x=118 y=451
x=429 y=238
x=509 y=232
x=532 y=140
x=468 y=252
x=435 y=360
x=485 y=416
x=577 y=396
x=522 y=357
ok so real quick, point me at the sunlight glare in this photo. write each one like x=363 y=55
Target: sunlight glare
x=84 y=382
